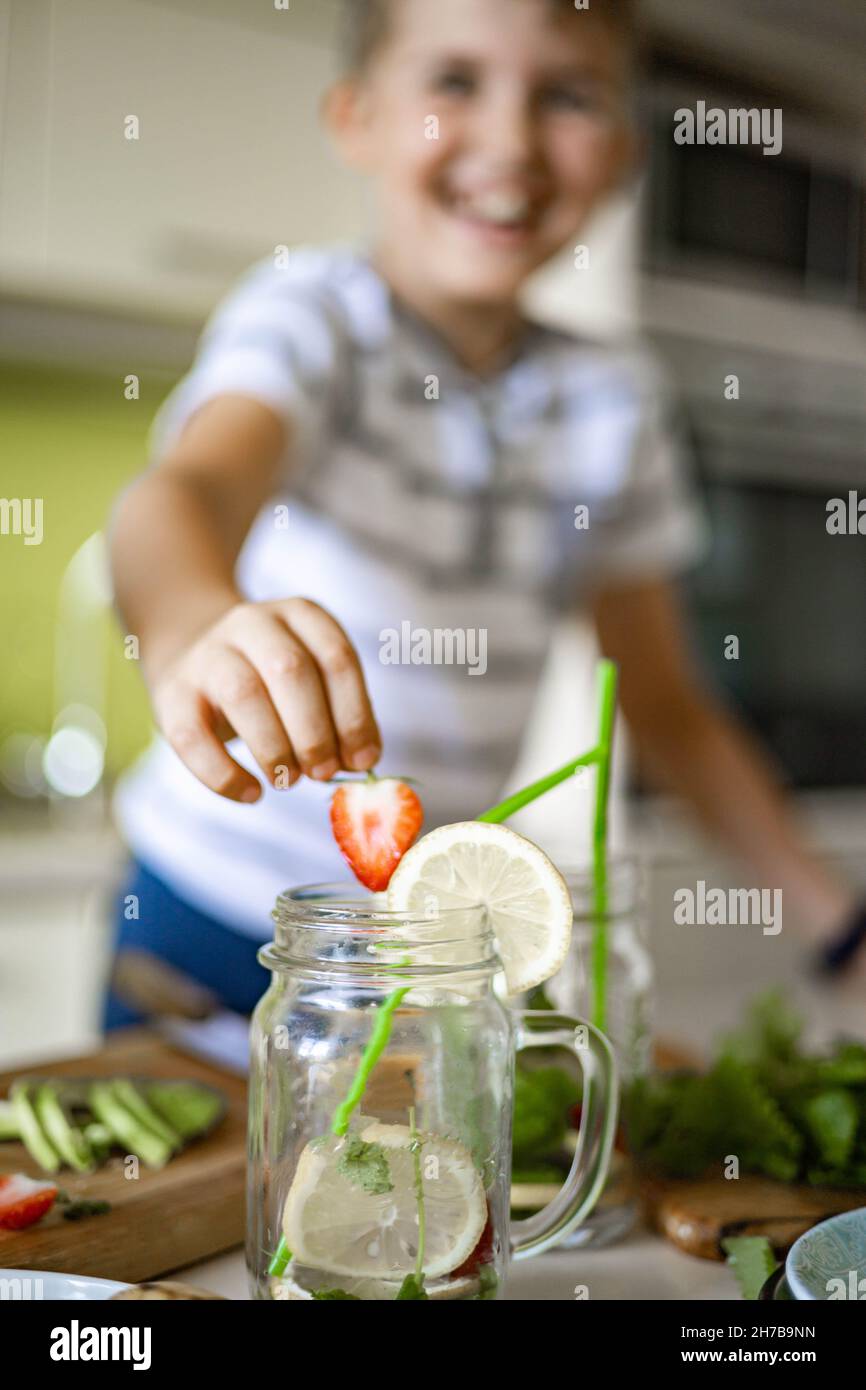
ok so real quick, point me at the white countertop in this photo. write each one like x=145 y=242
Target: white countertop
x=704 y=975
x=641 y=1267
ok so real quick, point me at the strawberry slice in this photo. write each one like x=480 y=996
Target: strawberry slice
x=374 y=823
x=24 y=1201
x=481 y=1255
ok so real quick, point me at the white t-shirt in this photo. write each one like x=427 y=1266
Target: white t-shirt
x=434 y=515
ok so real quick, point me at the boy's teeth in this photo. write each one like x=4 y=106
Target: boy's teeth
x=498 y=207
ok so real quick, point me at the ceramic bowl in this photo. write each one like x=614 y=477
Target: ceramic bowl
x=829 y=1261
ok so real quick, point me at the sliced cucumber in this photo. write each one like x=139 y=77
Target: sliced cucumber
x=135 y=1102
x=126 y=1128
x=77 y=1121
x=37 y=1144
x=191 y=1110
x=9 y=1128
x=100 y=1139
x=67 y=1139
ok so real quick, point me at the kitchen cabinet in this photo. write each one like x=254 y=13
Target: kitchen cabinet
x=229 y=161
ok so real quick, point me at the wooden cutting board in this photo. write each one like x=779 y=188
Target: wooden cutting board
x=697 y=1214
x=161 y=1221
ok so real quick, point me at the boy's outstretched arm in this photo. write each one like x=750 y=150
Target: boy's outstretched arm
x=697 y=750
x=283 y=676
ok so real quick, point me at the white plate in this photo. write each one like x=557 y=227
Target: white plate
x=39 y=1285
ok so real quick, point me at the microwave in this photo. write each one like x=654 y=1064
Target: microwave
x=793 y=591
x=791 y=223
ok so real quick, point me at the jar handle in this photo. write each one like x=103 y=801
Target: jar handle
x=583 y=1186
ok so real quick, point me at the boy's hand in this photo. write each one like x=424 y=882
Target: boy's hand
x=282 y=676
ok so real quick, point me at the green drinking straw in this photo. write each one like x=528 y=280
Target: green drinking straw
x=369 y=1057
x=512 y=804
x=280 y=1260
x=376 y=1045
x=606 y=680
x=598 y=756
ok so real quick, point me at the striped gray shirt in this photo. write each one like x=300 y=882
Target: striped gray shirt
x=443 y=519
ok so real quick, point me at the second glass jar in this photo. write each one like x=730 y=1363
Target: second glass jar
x=547 y=1100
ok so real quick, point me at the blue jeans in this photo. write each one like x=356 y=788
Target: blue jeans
x=217 y=957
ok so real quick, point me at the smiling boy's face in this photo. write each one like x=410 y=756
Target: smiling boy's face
x=530 y=104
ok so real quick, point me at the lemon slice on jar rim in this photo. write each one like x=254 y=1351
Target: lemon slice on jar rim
x=526 y=898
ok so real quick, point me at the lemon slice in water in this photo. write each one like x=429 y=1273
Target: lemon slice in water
x=331 y=1222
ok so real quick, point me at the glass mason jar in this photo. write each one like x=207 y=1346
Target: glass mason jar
x=628 y=992
x=380 y=1107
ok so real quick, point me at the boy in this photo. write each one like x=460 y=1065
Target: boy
x=433 y=446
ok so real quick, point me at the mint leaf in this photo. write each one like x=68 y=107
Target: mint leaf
x=754 y=1127
x=366 y=1165
x=752 y=1260
x=831 y=1119
x=674 y=1124
x=489 y=1281
x=781 y=1112
x=411 y=1289
x=539 y=1173
x=771 y=1032
x=542 y=1099
x=76 y=1209
x=335 y=1296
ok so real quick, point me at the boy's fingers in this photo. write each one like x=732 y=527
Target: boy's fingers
x=184 y=720
x=235 y=687
x=337 y=660
x=296 y=690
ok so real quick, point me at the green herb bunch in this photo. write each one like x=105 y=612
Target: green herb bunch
x=783 y=1112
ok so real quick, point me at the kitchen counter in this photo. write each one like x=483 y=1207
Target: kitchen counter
x=704 y=975
x=643 y=1267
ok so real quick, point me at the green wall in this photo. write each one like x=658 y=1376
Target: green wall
x=72 y=439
